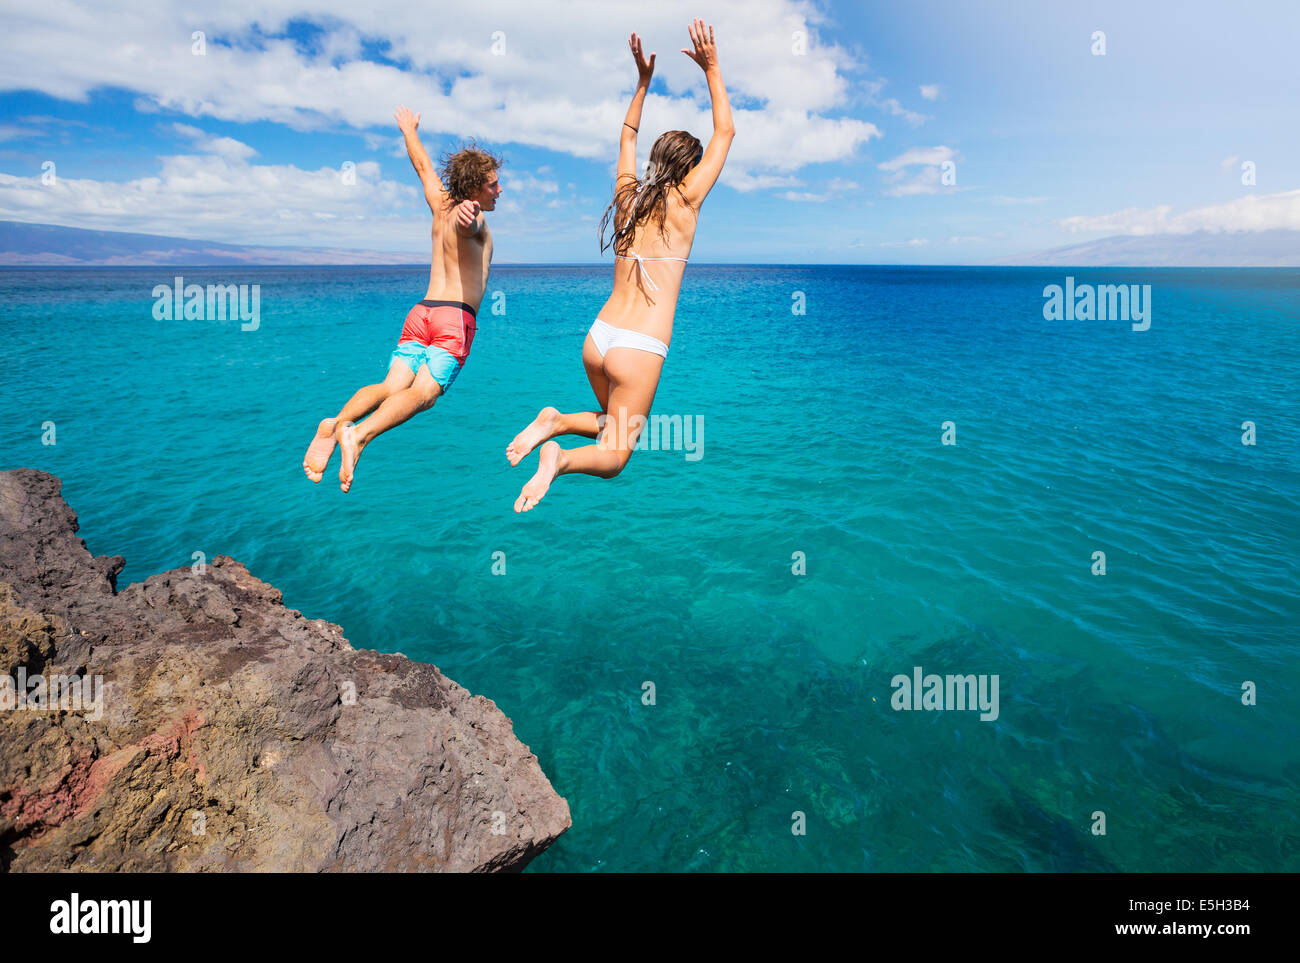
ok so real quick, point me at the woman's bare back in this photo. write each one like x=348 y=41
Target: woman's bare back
x=646 y=302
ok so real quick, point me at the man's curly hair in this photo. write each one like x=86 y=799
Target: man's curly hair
x=465 y=172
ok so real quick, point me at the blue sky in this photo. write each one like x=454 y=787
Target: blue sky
x=839 y=151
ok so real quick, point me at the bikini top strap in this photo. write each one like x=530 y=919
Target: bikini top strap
x=633 y=256
x=645 y=275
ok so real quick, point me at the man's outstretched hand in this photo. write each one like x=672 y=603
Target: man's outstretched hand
x=407 y=122
x=467 y=213
x=706 y=52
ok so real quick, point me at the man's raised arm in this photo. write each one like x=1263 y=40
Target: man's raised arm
x=409 y=123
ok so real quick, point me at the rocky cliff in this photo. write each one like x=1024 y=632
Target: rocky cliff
x=191 y=722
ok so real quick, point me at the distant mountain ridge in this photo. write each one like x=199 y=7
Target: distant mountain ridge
x=49 y=245
x=1275 y=248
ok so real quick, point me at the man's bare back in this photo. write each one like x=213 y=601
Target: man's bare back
x=439 y=331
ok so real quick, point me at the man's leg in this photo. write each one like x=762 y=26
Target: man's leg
x=366 y=400
x=395 y=409
x=634 y=378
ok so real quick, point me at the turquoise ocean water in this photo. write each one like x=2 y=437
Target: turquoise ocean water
x=822 y=435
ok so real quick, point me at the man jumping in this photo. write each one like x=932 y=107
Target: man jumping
x=438 y=332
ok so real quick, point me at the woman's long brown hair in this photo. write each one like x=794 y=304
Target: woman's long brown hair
x=673 y=156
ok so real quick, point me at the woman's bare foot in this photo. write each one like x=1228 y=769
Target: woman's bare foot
x=548 y=463
x=349 y=452
x=319 y=451
x=542 y=428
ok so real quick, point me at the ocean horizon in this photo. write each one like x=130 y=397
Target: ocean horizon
x=864 y=477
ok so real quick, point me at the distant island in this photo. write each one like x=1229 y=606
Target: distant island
x=48 y=245
x=1275 y=248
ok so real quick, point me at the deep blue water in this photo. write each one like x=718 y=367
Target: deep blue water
x=1119 y=693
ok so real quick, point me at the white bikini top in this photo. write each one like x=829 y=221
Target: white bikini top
x=633 y=256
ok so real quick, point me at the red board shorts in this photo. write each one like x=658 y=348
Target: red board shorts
x=437 y=334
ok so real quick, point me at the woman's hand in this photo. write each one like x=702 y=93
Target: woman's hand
x=706 y=52
x=644 y=68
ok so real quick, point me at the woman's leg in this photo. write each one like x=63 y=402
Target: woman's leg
x=595 y=366
x=366 y=400
x=633 y=379
x=551 y=423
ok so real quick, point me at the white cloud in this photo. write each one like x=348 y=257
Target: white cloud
x=911 y=242
x=756 y=182
x=13 y=132
x=1228 y=163
x=891 y=104
x=930 y=91
x=898 y=110
x=527 y=183
x=1007 y=199
x=836 y=187
x=562 y=82
x=927 y=180
x=394 y=145
x=924 y=181
x=223 y=197
x=929 y=156
x=226 y=147
x=215 y=197
x=1253 y=212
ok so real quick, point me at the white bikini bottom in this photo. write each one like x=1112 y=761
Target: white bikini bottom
x=606 y=336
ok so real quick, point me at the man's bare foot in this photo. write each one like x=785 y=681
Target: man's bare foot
x=319 y=451
x=349 y=452
x=548 y=463
x=542 y=428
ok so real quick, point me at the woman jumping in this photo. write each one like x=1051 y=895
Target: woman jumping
x=653 y=223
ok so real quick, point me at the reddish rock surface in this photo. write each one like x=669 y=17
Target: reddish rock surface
x=235 y=734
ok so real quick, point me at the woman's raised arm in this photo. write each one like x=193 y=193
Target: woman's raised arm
x=700 y=181
x=627 y=139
